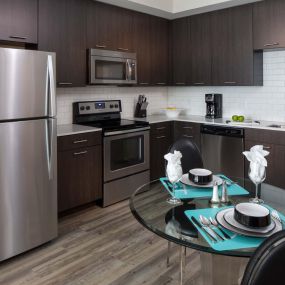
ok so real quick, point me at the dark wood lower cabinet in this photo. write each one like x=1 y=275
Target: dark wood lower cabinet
x=79 y=177
x=274 y=141
x=160 y=141
x=187 y=130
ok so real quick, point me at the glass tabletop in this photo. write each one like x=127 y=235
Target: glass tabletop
x=149 y=206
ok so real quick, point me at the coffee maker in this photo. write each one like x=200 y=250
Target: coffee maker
x=214 y=106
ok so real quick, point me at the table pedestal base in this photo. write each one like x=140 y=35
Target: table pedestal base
x=222 y=270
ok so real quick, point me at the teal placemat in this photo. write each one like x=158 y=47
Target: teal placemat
x=237 y=241
x=183 y=191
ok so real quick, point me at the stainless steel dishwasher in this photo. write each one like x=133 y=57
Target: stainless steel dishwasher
x=222 y=149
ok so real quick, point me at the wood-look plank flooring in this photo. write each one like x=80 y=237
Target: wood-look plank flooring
x=100 y=247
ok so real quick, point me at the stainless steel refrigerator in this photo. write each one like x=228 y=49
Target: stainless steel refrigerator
x=28 y=179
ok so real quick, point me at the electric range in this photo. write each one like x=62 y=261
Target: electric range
x=125 y=147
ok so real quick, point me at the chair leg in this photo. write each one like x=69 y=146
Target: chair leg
x=168 y=253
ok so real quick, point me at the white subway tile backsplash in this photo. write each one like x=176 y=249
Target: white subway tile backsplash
x=266 y=102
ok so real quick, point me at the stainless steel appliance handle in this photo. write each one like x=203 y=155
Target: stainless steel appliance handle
x=129 y=70
x=51 y=88
x=107 y=134
x=50 y=134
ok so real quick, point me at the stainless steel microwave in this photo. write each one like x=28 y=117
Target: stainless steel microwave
x=112 y=67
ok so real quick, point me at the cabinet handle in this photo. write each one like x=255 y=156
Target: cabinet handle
x=81 y=141
x=270 y=45
x=80 y=153
x=267 y=147
x=180 y=83
x=199 y=83
x=230 y=82
x=65 y=83
x=143 y=83
x=162 y=137
x=186 y=136
x=101 y=46
x=161 y=83
x=123 y=49
x=18 y=38
x=187 y=128
x=161 y=128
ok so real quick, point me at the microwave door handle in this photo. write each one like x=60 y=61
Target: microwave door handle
x=129 y=70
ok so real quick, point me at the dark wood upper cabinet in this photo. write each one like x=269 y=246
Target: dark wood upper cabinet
x=232 y=47
x=268 y=24
x=201 y=50
x=19 y=21
x=181 y=51
x=109 y=27
x=159 y=28
x=62 y=26
x=142 y=47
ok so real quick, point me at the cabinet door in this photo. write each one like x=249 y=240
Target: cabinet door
x=159 y=51
x=201 y=50
x=61 y=29
x=268 y=24
x=4 y=19
x=24 y=21
x=181 y=50
x=232 y=62
x=79 y=177
x=19 y=20
x=100 y=25
x=160 y=142
x=124 y=25
x=187 y=130
x=142 y=47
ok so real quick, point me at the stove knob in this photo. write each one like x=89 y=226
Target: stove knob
x=111 y=106
x=82 y=108
x=88 y=108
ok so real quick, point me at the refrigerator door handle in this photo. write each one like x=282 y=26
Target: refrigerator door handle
x=51 y=88
x=50 y=134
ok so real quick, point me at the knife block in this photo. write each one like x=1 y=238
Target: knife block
x=139 y=113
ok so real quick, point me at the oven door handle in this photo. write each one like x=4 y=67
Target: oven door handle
x=107 y=134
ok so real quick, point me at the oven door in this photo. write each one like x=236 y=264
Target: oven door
x=112 y=70
x=125 y=154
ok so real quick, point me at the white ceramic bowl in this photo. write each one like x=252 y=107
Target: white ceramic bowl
x=172 y=113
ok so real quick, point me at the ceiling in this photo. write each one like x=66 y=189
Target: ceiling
x=172 y=9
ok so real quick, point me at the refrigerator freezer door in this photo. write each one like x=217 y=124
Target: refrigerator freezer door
x=27 y=84
x=28 y=188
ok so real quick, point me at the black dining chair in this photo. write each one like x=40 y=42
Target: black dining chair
x=266 y=266
x=191 y=158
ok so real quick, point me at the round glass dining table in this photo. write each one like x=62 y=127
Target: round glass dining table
x=150 y=207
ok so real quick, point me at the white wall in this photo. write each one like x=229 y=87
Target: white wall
x=264 y=103
x=157 y=98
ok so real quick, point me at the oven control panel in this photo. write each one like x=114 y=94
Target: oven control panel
x=99 y=107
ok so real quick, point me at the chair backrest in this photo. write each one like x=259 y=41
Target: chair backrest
x=191 y=156
x=267 y=264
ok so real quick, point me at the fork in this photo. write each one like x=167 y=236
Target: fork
x=215 y=224
x=208 y=224
x=275 y=215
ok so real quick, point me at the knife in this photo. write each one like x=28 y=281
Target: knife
x=194 y=220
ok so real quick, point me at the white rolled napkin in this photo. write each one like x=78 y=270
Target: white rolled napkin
x=174 y=169
x=258 y=163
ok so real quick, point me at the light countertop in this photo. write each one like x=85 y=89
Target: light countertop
x=73 y=129
x=152 y=119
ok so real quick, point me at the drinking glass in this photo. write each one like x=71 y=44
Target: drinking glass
x=173 y=180
x=257 y=182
